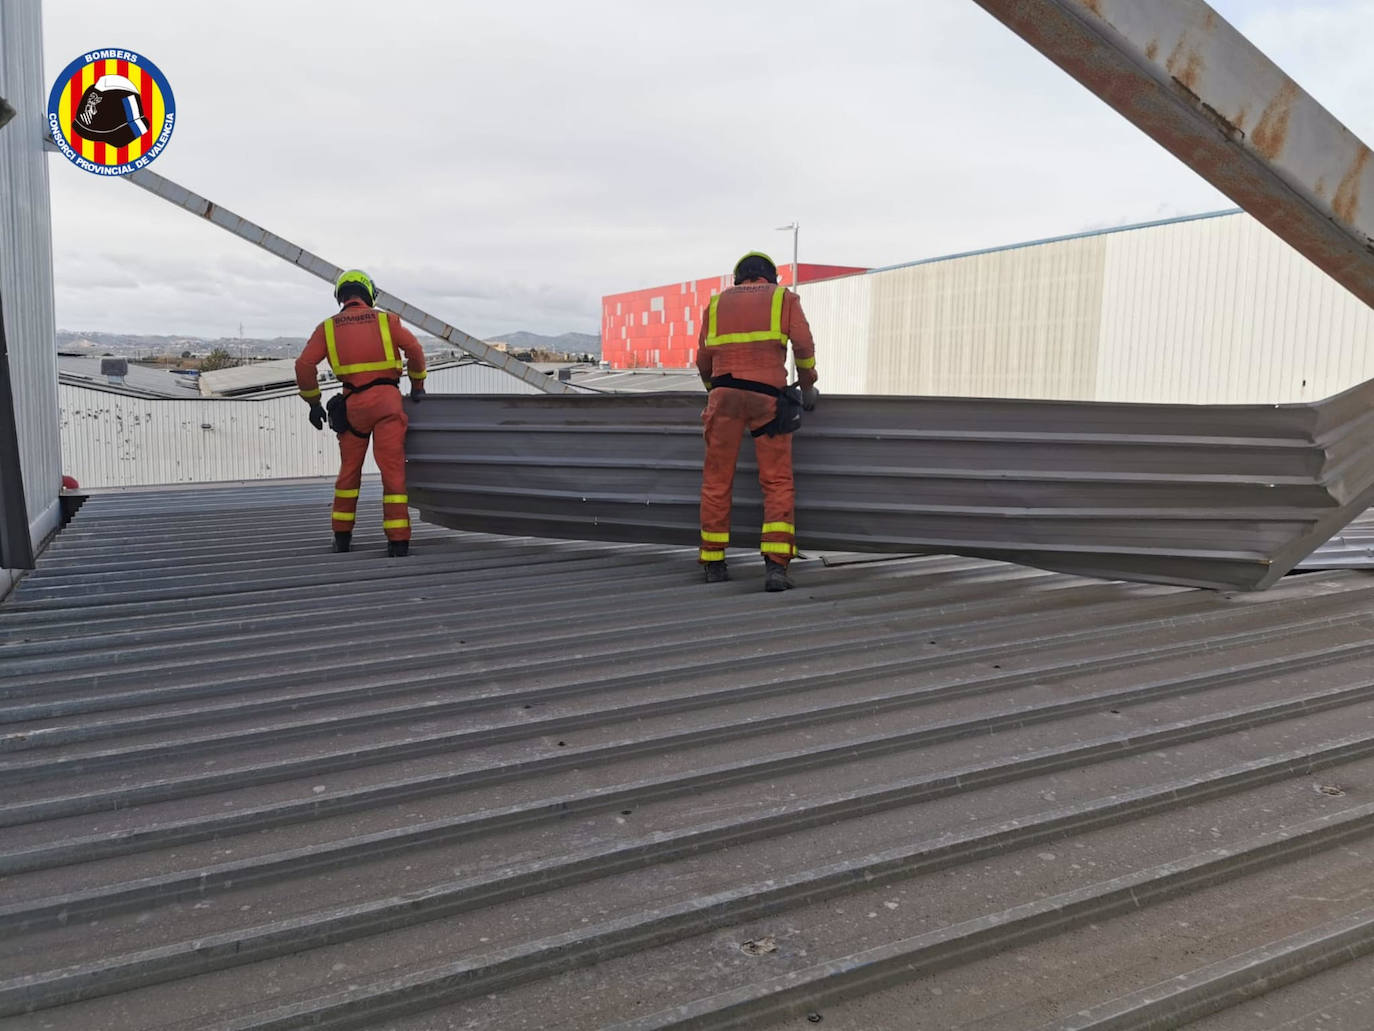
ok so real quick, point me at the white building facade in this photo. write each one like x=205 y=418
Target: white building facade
x=1207 y=310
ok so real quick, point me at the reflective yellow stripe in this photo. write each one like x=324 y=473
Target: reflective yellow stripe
x=348 y=370
x=390 y=360
x=777 y=548
x=384 y=324
x=715 y=538
x=779 y=528
x=423 y=373
x=774 y=332
x=706 y=383
x=329 y=345
x=712 y=556
x=395 y=499
x=345 y=493
x=806 y=363
x=310 y=395
x=344 y=517
x=394 y=524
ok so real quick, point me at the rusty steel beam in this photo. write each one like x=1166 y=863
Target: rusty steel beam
x=1191 y=81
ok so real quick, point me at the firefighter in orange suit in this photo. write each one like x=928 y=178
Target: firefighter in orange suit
x=742 y=355
x=364 y=347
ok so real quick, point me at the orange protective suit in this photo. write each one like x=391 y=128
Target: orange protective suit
x=744 y=334
x=362 y=344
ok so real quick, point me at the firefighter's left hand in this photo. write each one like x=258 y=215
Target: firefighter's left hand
x=809 y=398
x=417 y=394
x=317 y=416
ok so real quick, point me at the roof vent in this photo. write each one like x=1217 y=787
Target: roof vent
x=114 y=369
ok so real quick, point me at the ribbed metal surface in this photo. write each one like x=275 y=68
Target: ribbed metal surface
x=1222 y=311
x=26 y=263
x=1352 y=548
x=112 y=439
x=840 y=313
x=520 y=784
x=1210 y=496
x=1213 y=310
x=1017 y=323
x=475 y=378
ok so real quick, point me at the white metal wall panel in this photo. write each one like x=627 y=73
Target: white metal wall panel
x=1011 y=323
x=1208 y=310
x=111 y=440
x=1220 y=310
x=26 y=261
x=839 y=312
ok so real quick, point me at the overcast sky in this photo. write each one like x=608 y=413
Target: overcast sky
x=505 y=165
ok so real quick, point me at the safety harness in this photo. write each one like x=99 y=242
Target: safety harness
x=787 y=418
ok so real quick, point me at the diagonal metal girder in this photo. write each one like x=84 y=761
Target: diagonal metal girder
x=1191 y=81
x=174 y=193
x=1203 y=495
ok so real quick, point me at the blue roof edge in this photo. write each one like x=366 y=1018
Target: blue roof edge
x=1051 y=239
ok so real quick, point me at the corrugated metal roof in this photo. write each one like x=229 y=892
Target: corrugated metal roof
x=256 y=376
x=1352 y=548
x=640 y=381
x=140 y=380
x=509 y=783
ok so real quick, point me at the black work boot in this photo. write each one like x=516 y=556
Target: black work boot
x=397 y=549
x=775 y=577
x=342 y=541
x=716 y=572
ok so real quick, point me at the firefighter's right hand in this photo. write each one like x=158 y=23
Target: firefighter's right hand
x=317 y=416
x=809 y=398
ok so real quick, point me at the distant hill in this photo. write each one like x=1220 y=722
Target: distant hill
x=568 y=343
x=131 y=345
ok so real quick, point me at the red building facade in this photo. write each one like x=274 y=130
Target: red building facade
x=658 y=327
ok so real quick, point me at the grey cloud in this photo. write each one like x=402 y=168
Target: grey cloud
x=506 y=165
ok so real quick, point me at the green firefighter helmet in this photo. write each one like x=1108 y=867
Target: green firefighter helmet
x=755 y=265
x=358 y=278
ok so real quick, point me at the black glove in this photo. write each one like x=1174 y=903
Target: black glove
x=417 y=393
x=317 y=415
x=809 y=398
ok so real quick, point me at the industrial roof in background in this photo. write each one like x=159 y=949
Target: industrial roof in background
x=515 y=783
x=249 y=378
x=136 y=380
x=276 y=378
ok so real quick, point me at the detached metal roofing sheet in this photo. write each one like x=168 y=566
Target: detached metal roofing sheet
x=513 y=784
x=1202 y=495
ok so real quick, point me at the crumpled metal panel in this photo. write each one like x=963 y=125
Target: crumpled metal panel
x=1186 y=77
x=1228 y=496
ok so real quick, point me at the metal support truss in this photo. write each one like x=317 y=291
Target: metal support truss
x=163 y=187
